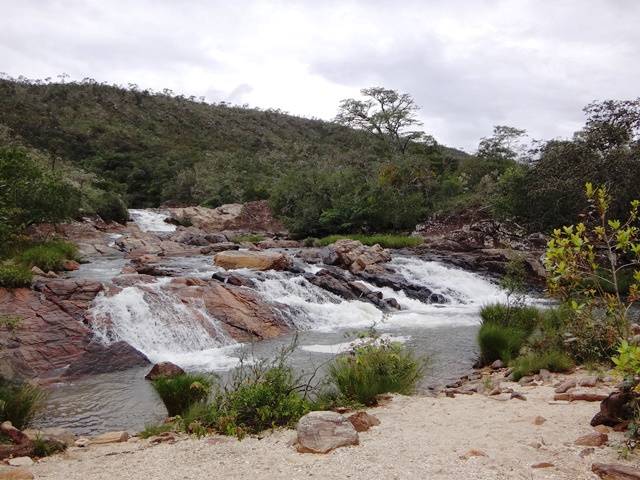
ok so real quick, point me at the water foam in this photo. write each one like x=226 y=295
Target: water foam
x=151 y=221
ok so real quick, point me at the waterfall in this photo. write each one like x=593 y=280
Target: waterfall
x=151 y=221
x=162 y=327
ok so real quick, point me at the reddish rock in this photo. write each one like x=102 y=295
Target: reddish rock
x=164 y=369
x=356 y=257
x=580 y=396
x=615 y=471
x=235 y=259
x=473 y=453
x=70 y=265
x=539 y=420
x=542 y=465
x=321 y=432
x=615 y=409
x=363 y=421
x=594 y=439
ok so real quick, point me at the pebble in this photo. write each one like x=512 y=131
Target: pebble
x=20 y=462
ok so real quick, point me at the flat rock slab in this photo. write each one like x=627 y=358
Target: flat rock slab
x=110 y=437
x=615 y=472
x=12 y=473
x=321 y=432
x=235 y=259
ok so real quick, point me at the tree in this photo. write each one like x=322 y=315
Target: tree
x=386 y=113
x=503 y=144
x=612 y=124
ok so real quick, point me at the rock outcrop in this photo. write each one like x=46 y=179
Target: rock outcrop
x=51 y=339
x=249 y=217
x=356 y=257
x=164 y=369
x=261 y=260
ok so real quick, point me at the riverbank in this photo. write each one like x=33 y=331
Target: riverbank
x=469 y=436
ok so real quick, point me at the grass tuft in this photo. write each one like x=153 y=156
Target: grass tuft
x=553 y=360
x=15 y=276
x=20 y=402
x=49 y=255
x=182 y=391
x=384 y=240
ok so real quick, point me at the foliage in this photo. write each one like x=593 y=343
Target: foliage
x=44 y=448
x=153 y=430
x=248 y=237
x=627 y=361
x=49 y=255
x=374 y=368
x=15 y=276
x=11 y=322
x=182 y=391
x=20 y=402
x=578 y=255
x=110 y=207
x=553 y=360
x=499 y=342
x=384 y=240
x=522 y=317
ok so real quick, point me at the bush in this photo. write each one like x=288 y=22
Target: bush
x=152 y=430
x=49 y=255
x=45 y=448
x=384 y=240
x=111 y=208
x=248 y=237
x=20 y=402
x=374 y=369
x=498 y=342
x=524 y=318
x=627 y=361
x=181 y=392
x=15 y=276
x=553 y=360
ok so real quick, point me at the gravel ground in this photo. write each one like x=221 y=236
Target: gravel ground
x=419 y=438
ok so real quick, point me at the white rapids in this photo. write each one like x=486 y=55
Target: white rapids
x=151 y=221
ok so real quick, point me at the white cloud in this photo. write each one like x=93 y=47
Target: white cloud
x=470 y=64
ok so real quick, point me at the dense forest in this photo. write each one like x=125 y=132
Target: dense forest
x=111 y=145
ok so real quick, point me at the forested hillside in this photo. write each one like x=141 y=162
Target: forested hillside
x=155 y=148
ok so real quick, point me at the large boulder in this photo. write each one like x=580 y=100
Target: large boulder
x=356 y=257
x=261 y=260
x=251 y=216
x=52 y=339
x=164 y=369
x=321 y=432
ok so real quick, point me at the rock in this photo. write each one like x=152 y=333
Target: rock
x=110 y=437
x=164 y=437
x=82 y=442
x=356 y=257
x=518 y=396
x=615 y=472
x=543 y=375
x=20 y=462
x=601 y=429
x=164 y=369
x=232 y=279
x=498 y=364
x=15 y=435
x=264 y=260
x=526 y=380
x=363 y=421
x=580 y=396
x=36 y=271
x=585 y=452
x=542 y=465
x=615 y=409
x=539 y=420
x=70 y=265
x=62 y=435
x=249 y=217
x=190 y=236
x=12 y=473
x=495 y=391
x=473 y=453
x=589 y=381
x=565 y=386
x=219 y=247
x=321 y=432
x=593 y=439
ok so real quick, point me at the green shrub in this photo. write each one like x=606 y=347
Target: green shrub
x=152 y=430
x=524 y=318
x=627 y=361
x=384 y=240
x=20 y=402
x=553 y=360
x=44 y=448
x=248 y=237
x=49 y=255
x=374 y=369
x=180 y=392
x=15 y=276
x=498 y=342
x=110 y=207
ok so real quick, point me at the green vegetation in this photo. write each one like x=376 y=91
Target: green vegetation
x=533 y=362
x=44 y=448
x=179 y=393
x=384 y=240
x=15 y=276
x=153 y=430
x=627 y=360
x=20 y=402
x=498 y=342
x=49 y=255
x=248 y=237
x=374 y=368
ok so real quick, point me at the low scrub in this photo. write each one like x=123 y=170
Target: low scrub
x=15 y=276
x=49 y=255
x=553 y=360
x=498 y=342
x=384 y=240
x=44 y=447
x=179 y=393
x=522 y=317
x=248 y=238
x=20 y=402
x=373 y=369
x=153 y=430
x=627 y=361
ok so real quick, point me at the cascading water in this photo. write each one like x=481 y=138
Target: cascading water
x=162 y=327
x=151 y=221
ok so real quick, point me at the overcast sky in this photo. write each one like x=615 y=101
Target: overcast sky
x=470 y=64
